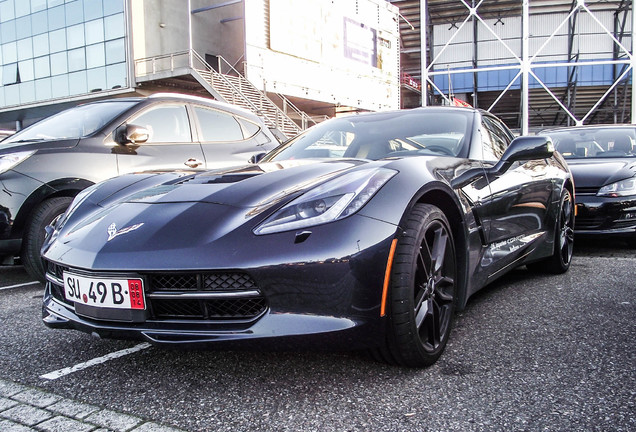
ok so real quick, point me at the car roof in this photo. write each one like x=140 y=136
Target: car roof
x=587 y=127
x=185 y=98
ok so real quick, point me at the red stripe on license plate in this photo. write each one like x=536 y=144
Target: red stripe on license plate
x=136 y=294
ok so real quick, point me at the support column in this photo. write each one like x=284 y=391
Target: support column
x=633 y=65
x=423 y=48
x=525 y=67
x=190 y=55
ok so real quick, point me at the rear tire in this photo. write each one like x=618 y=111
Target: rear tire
x=559 y=261
x=35 y=234
x=422 y=291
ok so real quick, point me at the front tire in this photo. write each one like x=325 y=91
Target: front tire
x=35 y=234
x=422 y=290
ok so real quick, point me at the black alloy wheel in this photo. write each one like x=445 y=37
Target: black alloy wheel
x=423 y=289
x=566 y=232
x=559 y=261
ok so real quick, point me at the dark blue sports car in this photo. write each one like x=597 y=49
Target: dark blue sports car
x=367 y=231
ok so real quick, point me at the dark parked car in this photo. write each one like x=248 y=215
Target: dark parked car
x=365 y=231
x=603 y=162
x=44 y=166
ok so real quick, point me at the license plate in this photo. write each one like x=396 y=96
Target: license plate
x=104 y=292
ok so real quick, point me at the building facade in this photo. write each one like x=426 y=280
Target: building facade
x=290 y=62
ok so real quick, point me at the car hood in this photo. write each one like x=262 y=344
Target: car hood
x=178 y=215
x=598 y=172
x=245 y=187
x=18 y=146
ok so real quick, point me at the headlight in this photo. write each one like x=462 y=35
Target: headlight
x=336 y=199
x=10 y=160
x=622 y=188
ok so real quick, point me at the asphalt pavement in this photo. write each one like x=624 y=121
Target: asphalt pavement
x=529 y=353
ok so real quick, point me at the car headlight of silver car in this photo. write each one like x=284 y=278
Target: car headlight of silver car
x=621 y=188
x=333 y=200
x=9 y=161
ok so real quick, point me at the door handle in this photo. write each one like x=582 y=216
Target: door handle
x=193 y=163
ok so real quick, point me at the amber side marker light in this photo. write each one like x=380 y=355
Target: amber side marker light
x=387 y=278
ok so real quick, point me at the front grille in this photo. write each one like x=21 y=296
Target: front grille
x=202 y=282
x=191 y=296
x=216 y=307
x=589 y=222
x=171 y=282
x=224 y=309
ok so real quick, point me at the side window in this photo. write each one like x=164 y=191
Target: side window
x=494 y=139
x=166 y=124
x=217 y=126
x=250 y=129
x=486 y=143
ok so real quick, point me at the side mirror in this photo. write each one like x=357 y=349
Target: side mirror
x=256 y=158
x=520 y=149
x=527 y=148
x=130 y=133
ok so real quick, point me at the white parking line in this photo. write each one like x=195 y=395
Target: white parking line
x=99 y=360
x=18 y=285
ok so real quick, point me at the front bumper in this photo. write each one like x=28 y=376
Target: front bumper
x=605 y=215
x=327 y=297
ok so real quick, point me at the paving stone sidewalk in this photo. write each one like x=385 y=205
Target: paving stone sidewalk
x=25 y=409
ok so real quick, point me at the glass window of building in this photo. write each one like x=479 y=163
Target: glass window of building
x=93 y=9
x=75 y=36
x=115 y=51
x=41 y=67
x=59 y=48
x=10 y=74
x=40 y=22
x=25 y=49
x=114 y=27
x=7 y=11
x=7 y=31
x=56 y=18
x=59 y=86
x=57 y=40
x=96 y=79
x=77 y=83
x=113 y=7
x=38 y=5
x=43 y=89
x=9 y=53
x=95 y=56
x=41 y=45
x=76 y=59
x=94 y=31
x=74 y=13
x=27 y=92
x=116 y=76
x=59 y=63
x=23 y=27
x=22 y=7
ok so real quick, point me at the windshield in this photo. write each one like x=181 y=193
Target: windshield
x=595 y=142
x=75 y=122
x=377 y=136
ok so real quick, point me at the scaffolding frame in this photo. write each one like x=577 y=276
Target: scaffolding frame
x=623 y=61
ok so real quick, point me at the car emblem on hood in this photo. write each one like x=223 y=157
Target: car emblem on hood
x=114 y=232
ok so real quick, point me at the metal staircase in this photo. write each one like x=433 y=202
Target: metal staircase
x=229 y=86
